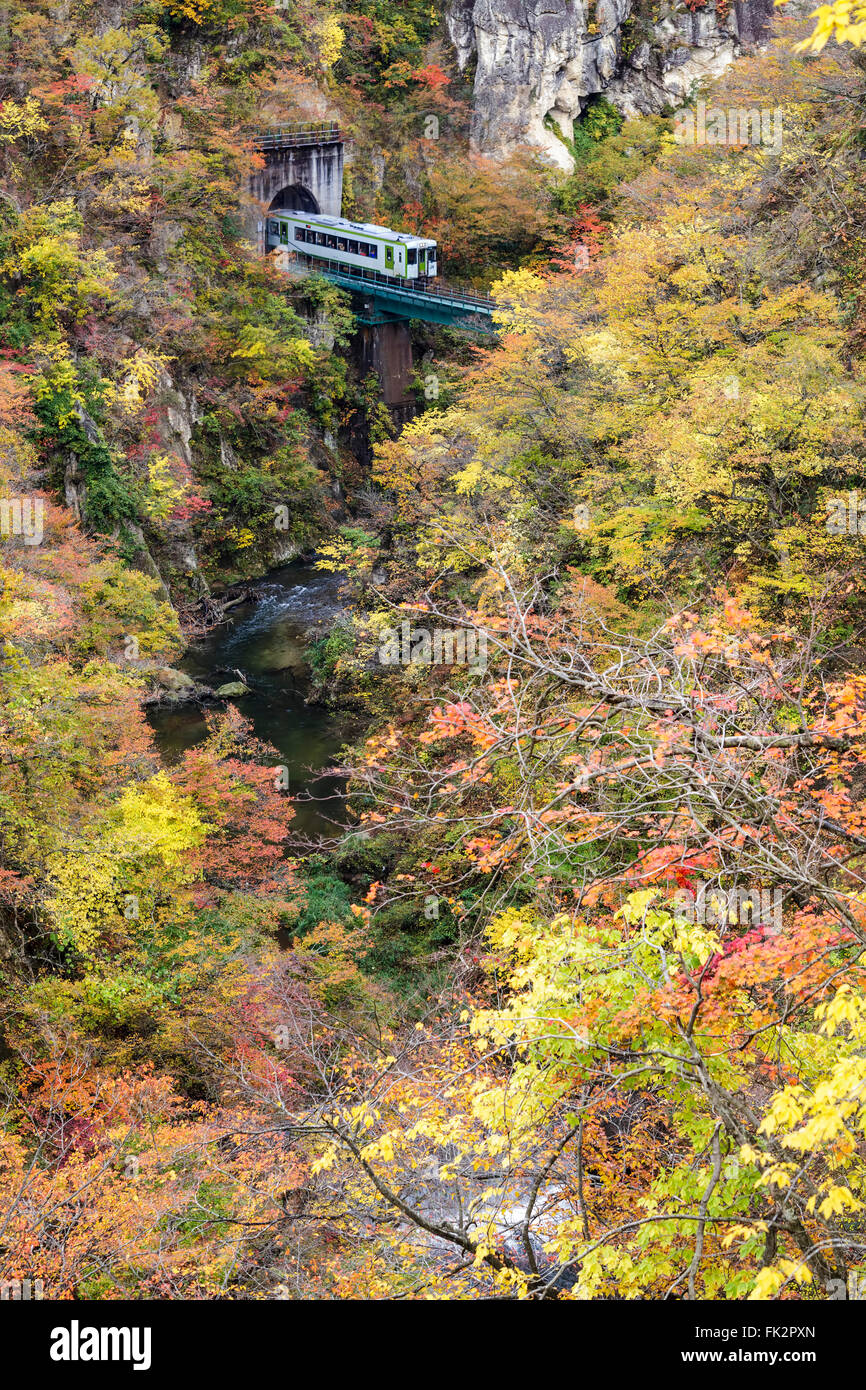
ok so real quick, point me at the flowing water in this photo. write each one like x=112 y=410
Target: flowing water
x=265 y=641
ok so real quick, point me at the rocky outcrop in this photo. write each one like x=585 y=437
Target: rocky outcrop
x=169 y=686
x=539 y=61
x=684 y=48
x=172 y=687
x=536 y=60
x=177 y=415
x=141 y=559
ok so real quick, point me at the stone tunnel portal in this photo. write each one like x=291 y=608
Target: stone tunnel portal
x=295 y=198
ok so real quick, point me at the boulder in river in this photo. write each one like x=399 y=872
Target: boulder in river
x=173 y=681
x=175 y=687
x=231 y=690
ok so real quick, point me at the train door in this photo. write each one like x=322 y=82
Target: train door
x=389 y=258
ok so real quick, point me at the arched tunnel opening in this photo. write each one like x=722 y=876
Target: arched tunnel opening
x=295 y=198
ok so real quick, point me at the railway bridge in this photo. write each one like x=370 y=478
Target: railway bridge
x=303 y=172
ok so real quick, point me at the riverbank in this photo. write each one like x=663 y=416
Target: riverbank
x=265 y=643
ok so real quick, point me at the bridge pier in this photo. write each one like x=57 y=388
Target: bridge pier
x=386 y=349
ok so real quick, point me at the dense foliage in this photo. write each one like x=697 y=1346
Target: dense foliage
x=576 y=1007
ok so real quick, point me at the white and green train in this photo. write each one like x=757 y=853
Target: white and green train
x=396 y=255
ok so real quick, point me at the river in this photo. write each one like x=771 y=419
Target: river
x=265 y=640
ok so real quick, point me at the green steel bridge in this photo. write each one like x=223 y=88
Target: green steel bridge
x=388 y=301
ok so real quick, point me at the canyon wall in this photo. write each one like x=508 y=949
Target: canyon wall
x=537 y=62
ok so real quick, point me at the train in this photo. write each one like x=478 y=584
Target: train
x=397 y=256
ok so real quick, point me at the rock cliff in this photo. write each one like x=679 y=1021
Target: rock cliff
x=537 y=62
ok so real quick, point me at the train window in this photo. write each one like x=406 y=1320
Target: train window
x=412 y=256
x=300 y=234
x=273 y=229
x=341 y=243
x=320 y=238
x=331 y=243
x=352 y=247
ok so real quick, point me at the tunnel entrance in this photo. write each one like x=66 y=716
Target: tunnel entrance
x=295 y=198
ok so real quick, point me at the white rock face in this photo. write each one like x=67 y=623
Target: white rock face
x=539 y=61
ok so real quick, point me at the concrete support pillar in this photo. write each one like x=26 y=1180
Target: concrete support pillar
x=386 y=349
